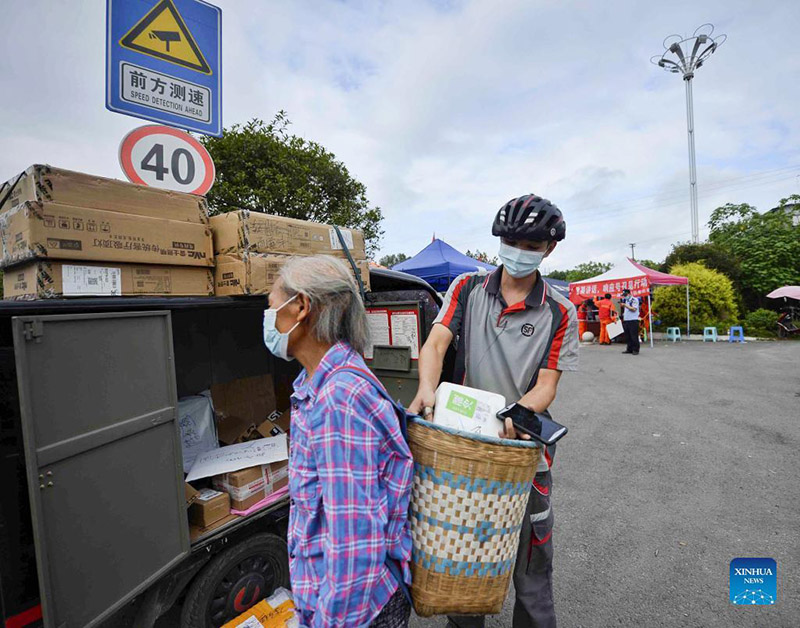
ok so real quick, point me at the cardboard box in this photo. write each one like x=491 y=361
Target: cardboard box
x=277 y=611
x=48 y=279
x=249 y=486
x=277 y=423
x=251 y=399
x=190 y=492
x=47 y=184
x=54 y=231
x=233 y=429
x=243 y=231
x=209 y=506
x=195 y=532
x=256 y=273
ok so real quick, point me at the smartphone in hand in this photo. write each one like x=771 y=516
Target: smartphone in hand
x=537 y=426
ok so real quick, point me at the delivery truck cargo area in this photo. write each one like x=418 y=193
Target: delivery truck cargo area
x=214 y=341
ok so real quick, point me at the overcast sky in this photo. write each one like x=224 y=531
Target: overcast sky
x=446 y=109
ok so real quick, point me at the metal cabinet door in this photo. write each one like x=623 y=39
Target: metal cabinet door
x=99 y=418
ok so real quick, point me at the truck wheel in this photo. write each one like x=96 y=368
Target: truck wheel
x=235 y=580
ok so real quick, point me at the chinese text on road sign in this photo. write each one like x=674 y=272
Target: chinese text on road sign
x=163 y=62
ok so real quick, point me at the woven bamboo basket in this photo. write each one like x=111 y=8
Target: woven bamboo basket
x=467 y=505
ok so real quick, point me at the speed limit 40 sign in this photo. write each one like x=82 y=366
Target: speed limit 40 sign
x=163 y=157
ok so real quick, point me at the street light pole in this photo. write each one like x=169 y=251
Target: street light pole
x=633 y=250
x=692 y=162
x=688 y=54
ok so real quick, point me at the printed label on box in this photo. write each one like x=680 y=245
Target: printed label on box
x=91 y=281
x=207 y=494
x=462 y=404
x=347 y=235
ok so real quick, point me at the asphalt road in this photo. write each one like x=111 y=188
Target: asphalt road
x=677 y=461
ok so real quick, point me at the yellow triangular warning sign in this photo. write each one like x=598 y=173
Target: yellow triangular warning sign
x=162 y=34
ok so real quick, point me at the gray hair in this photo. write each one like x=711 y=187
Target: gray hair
x=337 y=312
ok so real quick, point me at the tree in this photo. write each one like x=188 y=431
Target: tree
x=649 y=263
x=586 y=270
x=709 y=254
x=483 y=257
x=582 y=271
x=767 y=245
x=262 y=167
x=391 y=260
x=712 y=300
x=558 y=274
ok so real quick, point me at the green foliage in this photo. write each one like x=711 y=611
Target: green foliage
x=649 y=263
x=582 y=271
x=391 y=260
x=712 y=300
x=709 y=254
x=761 y=322
x=262 y=167
x=483 y=257
x=767 y=246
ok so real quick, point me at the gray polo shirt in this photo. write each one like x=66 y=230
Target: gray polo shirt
x=501 y=347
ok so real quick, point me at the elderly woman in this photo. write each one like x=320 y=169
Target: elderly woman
x=350 y=468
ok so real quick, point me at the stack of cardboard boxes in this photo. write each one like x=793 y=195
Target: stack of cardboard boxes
x=251 y=247
x=67 y=234
x=246 y=409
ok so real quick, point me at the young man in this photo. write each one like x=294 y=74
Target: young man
x=630 y=321
x=514 y=336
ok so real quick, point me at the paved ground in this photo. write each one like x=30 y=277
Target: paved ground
x=677 y=461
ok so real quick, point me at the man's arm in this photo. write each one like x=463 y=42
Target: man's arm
x=431 y=358
x=537 y=399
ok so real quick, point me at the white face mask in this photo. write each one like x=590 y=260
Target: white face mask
x=274 y=340
x=517 y=262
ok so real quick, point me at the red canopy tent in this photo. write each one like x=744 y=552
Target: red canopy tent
x=633 y=276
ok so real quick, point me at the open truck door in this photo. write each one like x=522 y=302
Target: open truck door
x=99 y=411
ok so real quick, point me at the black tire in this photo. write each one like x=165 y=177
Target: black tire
x=235 y=580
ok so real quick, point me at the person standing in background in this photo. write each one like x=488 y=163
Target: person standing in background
x=606 y=313
x=630 y=321
x=583 y=313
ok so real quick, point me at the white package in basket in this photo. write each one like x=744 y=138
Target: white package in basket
x=468 y=409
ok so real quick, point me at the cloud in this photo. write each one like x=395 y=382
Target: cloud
x=447 y=109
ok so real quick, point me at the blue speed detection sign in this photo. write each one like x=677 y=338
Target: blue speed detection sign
x=164 y=62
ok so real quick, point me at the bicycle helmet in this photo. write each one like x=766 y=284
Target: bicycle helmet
x=529 y=217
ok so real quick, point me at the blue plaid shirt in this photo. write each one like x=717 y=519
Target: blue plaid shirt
x=350 y=475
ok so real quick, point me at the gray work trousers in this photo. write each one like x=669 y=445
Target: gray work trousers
x=533 y=572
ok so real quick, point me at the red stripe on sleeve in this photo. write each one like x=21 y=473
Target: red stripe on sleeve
x=558 y=339
x=451 y=308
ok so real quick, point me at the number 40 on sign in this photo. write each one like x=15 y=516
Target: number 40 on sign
x=163 y=157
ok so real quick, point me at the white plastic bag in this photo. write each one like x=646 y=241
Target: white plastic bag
x=198 y=429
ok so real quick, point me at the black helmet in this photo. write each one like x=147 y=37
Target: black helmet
x=529 y=217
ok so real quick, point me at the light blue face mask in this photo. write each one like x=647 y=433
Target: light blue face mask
x=517 y=262
x=275 y=341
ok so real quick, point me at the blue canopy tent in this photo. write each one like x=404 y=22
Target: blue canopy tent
x=439 y=263
x=557 y=284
